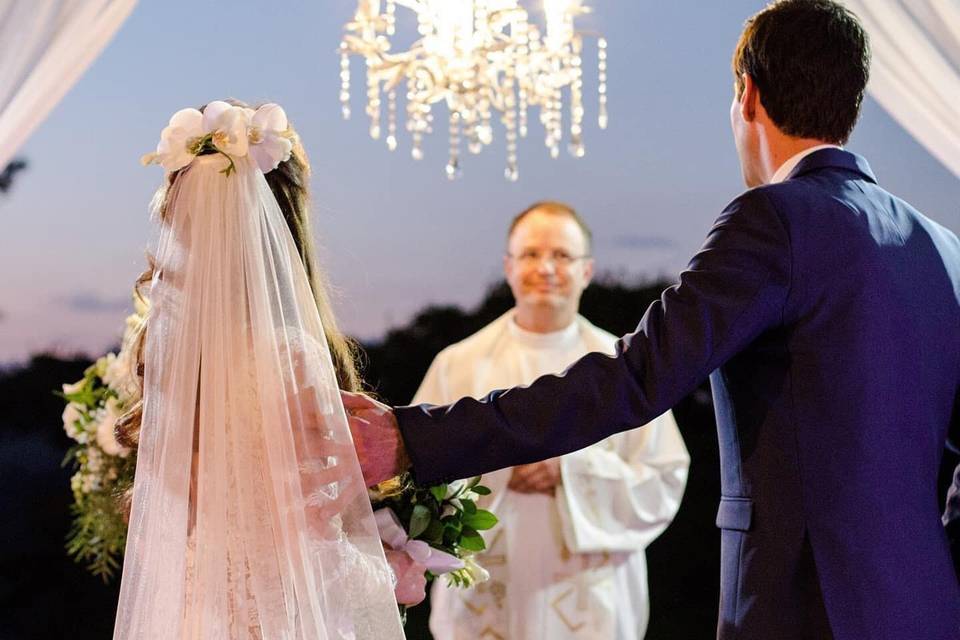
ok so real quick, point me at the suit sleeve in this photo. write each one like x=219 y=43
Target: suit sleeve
x=620 y=494
x=734 y=289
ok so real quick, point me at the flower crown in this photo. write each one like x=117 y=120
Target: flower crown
x=226 y=129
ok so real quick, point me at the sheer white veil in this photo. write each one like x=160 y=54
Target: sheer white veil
x=250 y=518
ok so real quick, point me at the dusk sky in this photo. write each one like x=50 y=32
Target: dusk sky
x=395 y=234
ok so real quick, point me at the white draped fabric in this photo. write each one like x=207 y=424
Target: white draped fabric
x=45 y=45
x=916 y=69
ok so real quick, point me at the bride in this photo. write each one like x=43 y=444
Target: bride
x=249 y=515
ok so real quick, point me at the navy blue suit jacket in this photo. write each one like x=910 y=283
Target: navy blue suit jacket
x=826 y=313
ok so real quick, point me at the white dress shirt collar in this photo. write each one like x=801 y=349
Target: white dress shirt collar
x=792 y=163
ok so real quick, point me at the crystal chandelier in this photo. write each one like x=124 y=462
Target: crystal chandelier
x=484 y=59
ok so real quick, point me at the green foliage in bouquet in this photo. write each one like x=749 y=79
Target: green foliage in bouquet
x=444 y=516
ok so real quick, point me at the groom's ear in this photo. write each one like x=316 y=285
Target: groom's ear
x=749 y=99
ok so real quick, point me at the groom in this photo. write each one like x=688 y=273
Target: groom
x=826 y=313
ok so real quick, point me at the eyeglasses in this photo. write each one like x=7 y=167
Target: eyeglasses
x=558 y=257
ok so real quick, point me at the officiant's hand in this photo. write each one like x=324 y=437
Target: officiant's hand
x=376 y=437
x=539 y=477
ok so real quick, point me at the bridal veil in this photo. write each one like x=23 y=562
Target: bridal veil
x=250 y=518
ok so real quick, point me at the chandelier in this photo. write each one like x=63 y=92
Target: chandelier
x=485 y=59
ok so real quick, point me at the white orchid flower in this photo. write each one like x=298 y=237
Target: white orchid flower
x=183 y=138
x=179 y=141
x=227 y=126
x=269 y=137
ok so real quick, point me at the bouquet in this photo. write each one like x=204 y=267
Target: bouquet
x=431 y=531
x=103 y=467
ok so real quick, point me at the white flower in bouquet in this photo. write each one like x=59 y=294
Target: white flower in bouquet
x=89 y=483
x=100 y=367
x=454 y=488
x=94 y=460
x=106 y=423
x=76 y=482
x=110 y=369
x=459 y=490
x=471 y=574
x=119 y=375
x=71 y=416
x=477 y=573
x=76 y=387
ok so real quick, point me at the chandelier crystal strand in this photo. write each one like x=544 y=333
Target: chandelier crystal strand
x=453 y=164
x=577 y=149
x=523 y=51
x=485 y=60
x=391 y=17
x=556 y=123
x=392 y=119
x=344 y=82
x=373 y=104
x=511 y=172
x=602 y=117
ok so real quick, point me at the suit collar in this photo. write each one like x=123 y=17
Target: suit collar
x=833 y=159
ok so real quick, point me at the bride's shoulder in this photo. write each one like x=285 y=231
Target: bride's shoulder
x=304 y=356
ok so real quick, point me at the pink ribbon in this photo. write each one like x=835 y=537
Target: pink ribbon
x=393 y=535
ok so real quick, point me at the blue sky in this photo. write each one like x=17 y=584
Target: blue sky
x=394 y=234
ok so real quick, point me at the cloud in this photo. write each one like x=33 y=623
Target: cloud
x=635 y=241
x=88 y=302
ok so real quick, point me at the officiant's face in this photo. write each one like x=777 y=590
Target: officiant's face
x=548 y=262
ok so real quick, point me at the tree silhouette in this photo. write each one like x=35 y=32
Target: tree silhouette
x=6 y=176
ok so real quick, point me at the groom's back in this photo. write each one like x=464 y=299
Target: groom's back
x=852 y=397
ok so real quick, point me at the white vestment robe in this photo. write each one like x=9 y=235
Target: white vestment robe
x=570 y=566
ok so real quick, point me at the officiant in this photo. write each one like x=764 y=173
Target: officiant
x=567 y=560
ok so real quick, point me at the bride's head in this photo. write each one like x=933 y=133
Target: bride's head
x=289 y=182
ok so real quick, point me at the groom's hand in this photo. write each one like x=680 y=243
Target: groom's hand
x=376 y=437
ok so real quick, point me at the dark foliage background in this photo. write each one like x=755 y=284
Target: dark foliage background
x=44 y=595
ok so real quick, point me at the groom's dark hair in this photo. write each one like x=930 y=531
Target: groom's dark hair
x=810 y=59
